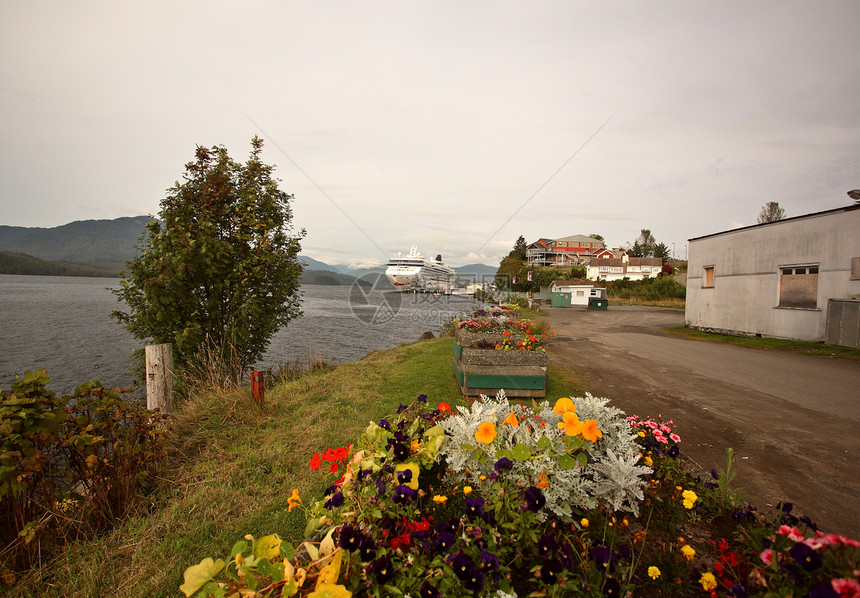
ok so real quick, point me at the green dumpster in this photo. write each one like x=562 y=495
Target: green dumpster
x=598 y=303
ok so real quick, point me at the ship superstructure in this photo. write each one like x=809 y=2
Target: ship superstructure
x=413 y=272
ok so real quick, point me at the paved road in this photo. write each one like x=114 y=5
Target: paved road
x=792 y=420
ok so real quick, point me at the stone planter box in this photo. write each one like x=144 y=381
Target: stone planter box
x=472 y=356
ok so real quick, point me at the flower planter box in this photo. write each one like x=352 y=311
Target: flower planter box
x=516 y=380
x=472 y=356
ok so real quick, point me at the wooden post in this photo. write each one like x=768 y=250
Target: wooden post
x=258 y=387
x=159 y=377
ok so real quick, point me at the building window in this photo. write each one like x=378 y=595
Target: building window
x=708 y=277
x=798 y=287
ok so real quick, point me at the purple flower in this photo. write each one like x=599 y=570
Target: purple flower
x=806 y=557
x=504 y=464
x=823 y=590
x=335 y=501
x=489 y=562
x=404 y=476
x=546 y=545
x=611 y=587
x=382 y=569
x=350 y=538
x=534 y=499
x=400 y=451
x=444 y=542
x=367 y=550
x=601 y=555
x=383 y=423
x=380 y=486
x=549 y=571
x=402 y=408
x=474 y=507
x=475 y=581
x=449 y=526
x=428 y=590
x=422 y=398
x=737 y=591
x=463 y=566
x=403 y=494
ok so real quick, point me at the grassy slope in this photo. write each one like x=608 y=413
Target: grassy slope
x=235 y=465
x=764 y=343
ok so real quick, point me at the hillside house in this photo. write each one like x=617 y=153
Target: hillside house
x=633 y=268
x=796 y=278
x=567 y=251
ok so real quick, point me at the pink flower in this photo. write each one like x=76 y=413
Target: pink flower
x=658 y=433
x=651 y=424
x=675 y=437
x=767 y=556
x=793 y=533
x=662 y=439
x=846 y=588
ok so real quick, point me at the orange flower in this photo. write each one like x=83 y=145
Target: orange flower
x=570 y=423
x=512 y=420
x=589 y=430
x=543 y=482
x=564 y=405
x=444 y=407
x=294 y=500
x=486 y=432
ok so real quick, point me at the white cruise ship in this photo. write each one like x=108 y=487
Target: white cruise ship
x=415 y=273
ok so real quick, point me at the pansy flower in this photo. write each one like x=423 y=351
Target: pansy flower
x=474 y=507
x=489 y=562
x=382 y=569
x=549 y=571
x=428 y=590
x=403 y=494
x=444 y=541
x=546 y=545
x=335 y=501
x=503 y=464
x=534 y=499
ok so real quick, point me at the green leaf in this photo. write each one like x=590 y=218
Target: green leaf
x=504 y=453
x=544 y=443
x=240 y=547
x=566 y=462
x=267 y=547
x=197 y=575
x=521 y=452
x=582 y=459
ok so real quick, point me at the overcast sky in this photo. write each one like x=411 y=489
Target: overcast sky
x=457 y=126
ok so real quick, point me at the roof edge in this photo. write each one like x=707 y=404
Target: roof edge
x=776 y=222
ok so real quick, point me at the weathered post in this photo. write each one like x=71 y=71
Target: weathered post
x=159 y=377
x=258 y=387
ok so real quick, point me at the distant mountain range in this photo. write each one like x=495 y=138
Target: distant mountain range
x=102 y=248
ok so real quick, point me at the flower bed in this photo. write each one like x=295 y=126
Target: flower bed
x=504 y=499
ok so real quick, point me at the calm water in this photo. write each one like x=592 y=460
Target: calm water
x=63 y=324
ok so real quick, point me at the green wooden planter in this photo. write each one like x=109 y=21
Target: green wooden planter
x=486 y=371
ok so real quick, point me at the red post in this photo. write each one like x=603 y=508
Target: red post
x=258 y=387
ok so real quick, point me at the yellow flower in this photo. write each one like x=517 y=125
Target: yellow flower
x=467 y=490
x=331 y=591
x=642 y=433
x=689 y=498
x=688 y=551
x=653 y=572
x=583 y=522
x=413 y=483
x=293 y=501
x=649 y=461
x=563 y=405
x=570 y=423
x=708 y=581
x=440 y=499
x=590 y=431
x=512 y=420
x=486 y=432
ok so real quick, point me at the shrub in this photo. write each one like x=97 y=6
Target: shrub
x=69 y=466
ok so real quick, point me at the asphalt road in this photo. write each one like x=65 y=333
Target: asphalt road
x=793 y=420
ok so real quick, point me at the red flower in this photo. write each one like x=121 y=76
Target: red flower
x=315 y=461
x=334 y=467
x=444 y=407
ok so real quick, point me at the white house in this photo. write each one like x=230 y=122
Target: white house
x=579 y=291
x=634 y=268
x=780 y=279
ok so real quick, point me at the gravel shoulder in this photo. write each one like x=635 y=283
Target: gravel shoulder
x=791 y=419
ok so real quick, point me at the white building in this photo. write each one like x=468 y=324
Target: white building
x=634 y=268
x=780 y=279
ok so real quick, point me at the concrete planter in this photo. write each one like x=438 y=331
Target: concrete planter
x=472 y=356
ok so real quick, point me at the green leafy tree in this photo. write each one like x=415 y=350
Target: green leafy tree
x=510 y=268
x=221 y=269
x=770 y=212
x=644 y=245
x=596 y=236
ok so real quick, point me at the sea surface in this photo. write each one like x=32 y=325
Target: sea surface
x=63 y=324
